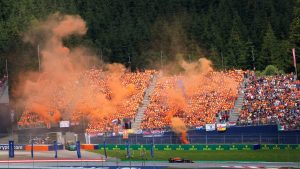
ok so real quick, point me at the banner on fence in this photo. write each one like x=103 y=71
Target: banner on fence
x=281 y=127
x=5 y=147
x=153 y=133
x=63 y=124
x=221 y=127
x=210 y=127
x=231 y=123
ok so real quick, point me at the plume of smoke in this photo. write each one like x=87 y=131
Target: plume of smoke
x=176 y=99
x=170 y=40
x=197 y=76
x=61 y=88
x=177 y=103
x=179 y=127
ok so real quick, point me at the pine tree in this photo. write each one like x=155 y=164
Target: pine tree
x=268 y=53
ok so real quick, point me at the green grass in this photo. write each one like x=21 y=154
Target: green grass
x=239 y=155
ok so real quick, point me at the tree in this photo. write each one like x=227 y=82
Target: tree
x=270 y=70
x=237 y=48
x=295 y=26
x=269 y=49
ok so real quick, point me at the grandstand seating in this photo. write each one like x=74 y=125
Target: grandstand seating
x=266 y=99
x=98 y=82
x=273 y=99
x=210 y=98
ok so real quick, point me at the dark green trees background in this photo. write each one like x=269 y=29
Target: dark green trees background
x=233 y=33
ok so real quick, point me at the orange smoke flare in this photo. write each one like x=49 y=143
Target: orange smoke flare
x=62 y=87
x=179 y=128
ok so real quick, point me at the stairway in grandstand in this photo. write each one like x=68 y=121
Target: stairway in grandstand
x=4 y=97
x=234 y=115
x=5 y=111
x=142 y=108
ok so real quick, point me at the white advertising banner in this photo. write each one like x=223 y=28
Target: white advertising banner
x=63 y=124
x=210 y=127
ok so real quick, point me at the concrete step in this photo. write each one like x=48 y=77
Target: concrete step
x=143 y=107
x=238 y=104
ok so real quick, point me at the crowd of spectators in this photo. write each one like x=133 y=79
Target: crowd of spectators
x=31 y=120
x=271 y=99
x=223 y=116
x=96 y=80
x=127 y=108
x=212 y=95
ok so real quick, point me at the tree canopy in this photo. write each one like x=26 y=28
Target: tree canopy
x=232 y=33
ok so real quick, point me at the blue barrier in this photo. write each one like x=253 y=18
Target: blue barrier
x=59 y=147
x=267 y=134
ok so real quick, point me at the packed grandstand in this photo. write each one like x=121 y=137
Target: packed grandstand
x=272 y=99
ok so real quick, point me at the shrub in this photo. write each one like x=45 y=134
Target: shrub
x=270 y=70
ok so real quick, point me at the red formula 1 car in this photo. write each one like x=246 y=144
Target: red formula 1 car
x=179 y=160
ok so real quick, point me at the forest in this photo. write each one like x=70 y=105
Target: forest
x=240 y=34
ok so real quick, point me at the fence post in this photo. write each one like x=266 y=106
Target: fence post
x=136 y=139
x=206 y=139
x=224 y=139
x=260 y=138
x=152 y=139
x=171 y=139
x=242 y=138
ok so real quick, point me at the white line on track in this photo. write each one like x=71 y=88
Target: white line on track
x=245 y=167
x=52 y=160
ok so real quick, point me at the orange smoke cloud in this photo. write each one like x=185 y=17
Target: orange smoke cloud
x=62 y=88
x=198 y=77
x=205 y=65
x=176 y=99
x=177 y=103
x=179 y=127
x=60 y=65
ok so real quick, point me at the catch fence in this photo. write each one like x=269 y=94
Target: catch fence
x=202 y=139
x=163 y=139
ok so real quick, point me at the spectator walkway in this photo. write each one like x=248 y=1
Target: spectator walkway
x=4 y=98
x=235 y=113
x=146 y=101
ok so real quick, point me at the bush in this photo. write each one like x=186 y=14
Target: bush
x=271 y=70
x=258 y=73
